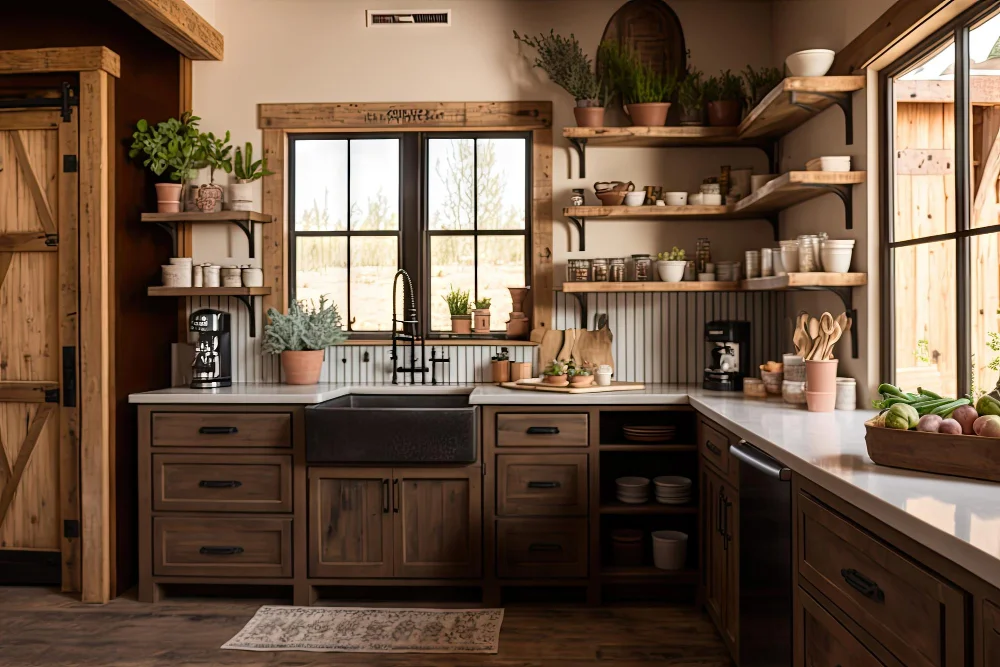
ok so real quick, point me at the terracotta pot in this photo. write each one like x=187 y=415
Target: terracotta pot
x=461 y=324
x=481 y=320
x=648 y=114
x=500 y=370
x=554 y=379
x=209 y=195
x=821 y=376
x=517 y=296
x=692 y=118
x=589 y=116
x=724 y=113
x=581 y=380
x=302 y=367
x=241 y=196
x=168 y=197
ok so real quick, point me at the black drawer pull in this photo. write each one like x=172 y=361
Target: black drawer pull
x=713 y=448
x=543 y=430
x=543 y=485
x=863 y=585
x=544 y=546
x=219 y=484
x=220 y=551
x=218 y=430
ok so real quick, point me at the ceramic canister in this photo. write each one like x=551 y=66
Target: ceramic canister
x=253 y=277
x=211 y=272
x=232 y=276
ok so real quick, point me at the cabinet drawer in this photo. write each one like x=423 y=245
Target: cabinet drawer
x=206 y=483
x=823 y=642
x=543 y=485
x=222 y=547
x=714 y=446
x=542 y=430
x=222 y=429
x=541 y=548
x=916 y=615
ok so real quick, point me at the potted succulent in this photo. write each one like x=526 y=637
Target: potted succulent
x=171 y=147
x=760 y=83
x=246 y=172
x=725 y=95
x=481 y=315
x=555 y=373
x=500 y=366
x=670 y=265
x=217 y=155
x=301 y=338
x=458 y=306
x=570 y=68
x=579 y=376
x=691 y=98
x=645 y=92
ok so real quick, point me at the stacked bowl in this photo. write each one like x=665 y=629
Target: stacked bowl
x=650 y=434
x=836 y=255
x=632 y=490
x=673 y=490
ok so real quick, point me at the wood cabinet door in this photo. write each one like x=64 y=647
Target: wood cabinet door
x=731 y=554
x=437 y=514
x=991 y=634
x=350 y=531
x=714 y=557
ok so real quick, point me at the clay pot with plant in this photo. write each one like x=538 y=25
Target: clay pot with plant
x=555 y=373
x=172 y=151
x=725 y=95
x=579 y=376
x=301 y=338
x=760 y=83
x=458 y=306
x=645 y=92
x=571 y=69
x=217 y=155
x=691 y=98
x=246 y=172
x=500 y=366
x=481 y=316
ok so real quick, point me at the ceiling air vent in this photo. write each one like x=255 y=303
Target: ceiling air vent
x=380 y=17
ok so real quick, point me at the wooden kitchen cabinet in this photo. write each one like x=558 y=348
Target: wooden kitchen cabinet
x=720 y=560
x=991 y=634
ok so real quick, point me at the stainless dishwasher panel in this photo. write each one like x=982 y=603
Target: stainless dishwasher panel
x=765 y=543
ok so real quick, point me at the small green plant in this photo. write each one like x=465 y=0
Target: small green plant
x=712 y=89
x=457 y=300
x=760 y=82
x=502 y=355
x=633 y=80
x=172 y=145
x=573 y=369
x=691 y=92
x=567 y=66
x=245 y=169
x=217 y=153
x=483 y=304
x=923 y=352
x=731 y=88
x=675 y=254
x=305 y=327
x=555 y=367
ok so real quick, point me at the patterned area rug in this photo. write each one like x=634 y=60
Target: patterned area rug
x=359 y=630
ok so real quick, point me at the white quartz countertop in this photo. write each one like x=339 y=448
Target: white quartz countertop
x=958 y=518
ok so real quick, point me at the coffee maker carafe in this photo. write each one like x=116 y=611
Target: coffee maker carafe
x=729 y=348
x=212 y=361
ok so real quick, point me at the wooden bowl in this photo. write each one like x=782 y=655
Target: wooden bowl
x=611 y=197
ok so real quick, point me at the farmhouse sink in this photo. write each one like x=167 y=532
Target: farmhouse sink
x=392 y=428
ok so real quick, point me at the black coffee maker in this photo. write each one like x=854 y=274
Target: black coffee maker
x=212 y=354
x=729 y=351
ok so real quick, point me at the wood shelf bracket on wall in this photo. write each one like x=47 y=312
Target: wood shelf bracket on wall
x=247 y=226
x=846 y=195
x=581 y=226
x=580 y=144
x=842 y=100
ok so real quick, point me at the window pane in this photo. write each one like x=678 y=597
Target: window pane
x=501 y=265
x=500 y=174
x=321 y=268
x=452 y=264
x=450 y=195
x=374 y=184
x=926 y=315
x=985 y=298
x=925 y=147
x=984 y=51
x=320 y=172
x=373 y=264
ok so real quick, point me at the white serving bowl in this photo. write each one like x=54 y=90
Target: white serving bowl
x=671 y=271
x=711 y=200
x=696 y=199
x=811 y=62
x=635 y=198
x=836 y=260
x=675 y=198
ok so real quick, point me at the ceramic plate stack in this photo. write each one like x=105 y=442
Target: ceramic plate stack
x=673 y=490
x=632 y=490
x=654 y=433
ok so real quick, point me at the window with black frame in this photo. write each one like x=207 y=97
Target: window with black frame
x=941 y=216
x=452 y=209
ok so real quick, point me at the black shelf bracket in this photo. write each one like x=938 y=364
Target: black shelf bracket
x=248 y=301
x=581 y=226
x=580 y=145
x=846 y=295
x=846 y=194
x=775 y=220
x=842 y=100
x=171 y=230
x=771 y=150
x=581 y=299
x=246 y=226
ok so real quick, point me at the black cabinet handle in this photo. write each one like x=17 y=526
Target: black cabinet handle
x=713 y=448
x=543 y=485
x=220 y=484
x=385 y=496
x=218 y=430
x=544 y=546
x=220 y=551
x=863 y=585
x=727 y=535
x=543 y=430
x=395 y=496
x=718 y=513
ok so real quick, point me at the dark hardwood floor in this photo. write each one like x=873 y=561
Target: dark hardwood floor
x=39 y=627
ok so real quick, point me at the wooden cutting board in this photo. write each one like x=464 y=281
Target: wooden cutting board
x=535 y=384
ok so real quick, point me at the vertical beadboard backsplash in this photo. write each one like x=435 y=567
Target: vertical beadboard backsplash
x=658 y=337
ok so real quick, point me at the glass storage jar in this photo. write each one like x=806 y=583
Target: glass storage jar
x=616 y=270
x=642 y=266
x=600 y=272
x=578 y=271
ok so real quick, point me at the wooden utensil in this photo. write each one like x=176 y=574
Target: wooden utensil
x=834 y=337
x=551 y=343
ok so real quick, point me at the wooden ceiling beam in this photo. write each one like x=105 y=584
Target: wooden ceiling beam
x=177 y=24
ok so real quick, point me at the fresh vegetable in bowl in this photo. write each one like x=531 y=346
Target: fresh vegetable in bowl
x=902 y=416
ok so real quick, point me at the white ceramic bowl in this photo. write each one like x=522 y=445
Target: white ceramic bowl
x=711 y=200
x=811 y=62
x=632 y=483
x=836 y=243
x=669 y=549
x=696 y=199
x=635 y=198
x=675 y=198
x=671 y=271
x=836 y=260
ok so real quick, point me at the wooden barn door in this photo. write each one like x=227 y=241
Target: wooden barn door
x=39 y=461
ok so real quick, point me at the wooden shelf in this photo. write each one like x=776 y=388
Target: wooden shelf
x=638 y=447
x=643 y=573
x=794 y=101
x=208 y=291
x=198 y=216
x=793 y=280
x=790 y=281
x=656 y=137
x=675 y=212
x=651 y=507
x=686 y=286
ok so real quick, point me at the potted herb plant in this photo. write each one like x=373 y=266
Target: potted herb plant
x=172 y=148
x=458 y=306
x=579 y=376
x=691 y=97
x=500 y=366
x=725 y=98
x=246 y=172
x=645 y=92
x=217 y=155
x=760 y=83
x=670 y=265
x=570 y=68
x=481 y=316
x=555 y=373
x=301 y=338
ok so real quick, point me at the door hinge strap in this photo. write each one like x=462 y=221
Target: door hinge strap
x=69 y=376
x=69 y=164
x=71 y=528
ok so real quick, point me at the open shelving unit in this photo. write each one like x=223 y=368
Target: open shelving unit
x=244 y=294
x=243 y=219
